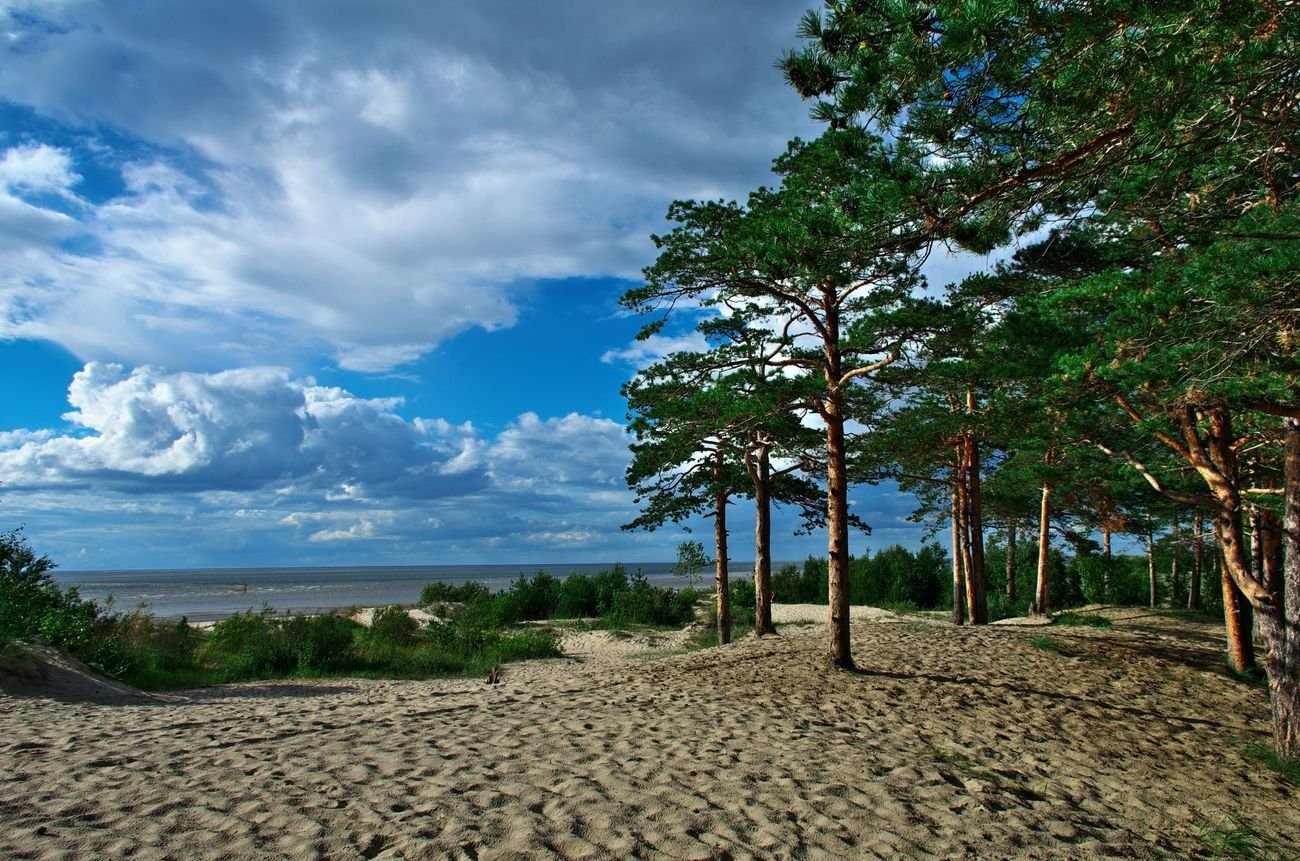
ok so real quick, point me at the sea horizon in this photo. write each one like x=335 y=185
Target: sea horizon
x=212 y=593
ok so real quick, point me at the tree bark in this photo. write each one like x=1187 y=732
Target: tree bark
x=1220 y=473
x=1198 y=564
x=1284 y=657
x=1151 y=560
x=1011 y=564
x=763 y=545
x=1105 y=574
x=1042 y=595
x=958 y=582
x=720 y=564
x=837 y=511
x=1175 y=535
x=976 y=577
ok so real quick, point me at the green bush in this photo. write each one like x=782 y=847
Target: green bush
x=643 y=604
x=440 y=592
x=321 y=644
x=33 y=605
x=528 y=599
x=250 y=645
x=393 y=626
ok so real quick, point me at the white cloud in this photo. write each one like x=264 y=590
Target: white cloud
x=265 y=457
x=304 y=177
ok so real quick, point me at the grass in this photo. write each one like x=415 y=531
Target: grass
x=1046 y=643
x=1254 y=676
x=1287 y=769
x=1234 y=839
x=1082 y=620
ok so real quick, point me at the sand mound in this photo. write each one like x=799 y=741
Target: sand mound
x=41 y=671
x=947 y=743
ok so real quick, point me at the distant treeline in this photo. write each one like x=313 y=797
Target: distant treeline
x=898 y=578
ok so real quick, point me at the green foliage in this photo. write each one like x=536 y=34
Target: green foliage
x=644 y=604
x=439 y=591
x=1082 y=620
x=1287 y=769
x=1235 y=840
x=691 y=560
x=897 y=577
x=33 y=605
x=393 y=626
x=590 y=595
x=1046 y=643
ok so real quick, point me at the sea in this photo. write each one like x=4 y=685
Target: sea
x=207 y=594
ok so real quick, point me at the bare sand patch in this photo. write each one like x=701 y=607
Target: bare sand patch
x=947 y=743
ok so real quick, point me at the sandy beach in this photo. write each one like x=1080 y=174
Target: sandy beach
x=947 y=743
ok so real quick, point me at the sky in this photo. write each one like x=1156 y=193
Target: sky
x=313 y=282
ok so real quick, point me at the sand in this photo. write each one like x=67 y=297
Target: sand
x=947 y=743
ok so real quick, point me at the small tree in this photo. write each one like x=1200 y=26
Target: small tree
x=691 y=560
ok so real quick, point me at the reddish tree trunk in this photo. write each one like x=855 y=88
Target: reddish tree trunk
x=1042 y=595
x=1221 y=476
x=958 y=582
x=837 y=511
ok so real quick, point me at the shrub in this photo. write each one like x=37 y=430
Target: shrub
x=33 y=605
x=528 y=599
x=440 y=591
x=250 y=645
x=393 y=626
x=321 y=643
x=641 y=603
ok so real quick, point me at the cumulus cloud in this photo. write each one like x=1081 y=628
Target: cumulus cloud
x=299 y=176
x=261 y=456
x=148 y=430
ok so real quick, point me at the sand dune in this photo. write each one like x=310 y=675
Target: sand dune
x=948 y=743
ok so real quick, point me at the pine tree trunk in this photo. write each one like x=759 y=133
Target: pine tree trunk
x=967 y=563
x=837 y=511
x=763 y=546
x=1198 y=564
x=1176 y=538
x=720 y=564
x=958 y=582
x=1256 y=559
x=976 y=579
x=1042 y=595
x=1236 y=609
x=1231 y=539
x=1151 y=560
x=1011 y=564
x=1284 y=657
x=1105 y=574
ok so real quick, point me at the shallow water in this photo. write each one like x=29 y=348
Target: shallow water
x=202 y=594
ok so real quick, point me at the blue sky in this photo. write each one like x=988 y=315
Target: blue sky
x=307 y=283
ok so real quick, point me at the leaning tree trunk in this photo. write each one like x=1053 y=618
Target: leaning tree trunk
x=720 y=565
x=837 y=521
x=1042 y=594
x=763 y=545
x=1284 y=656
x=1221 y=475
